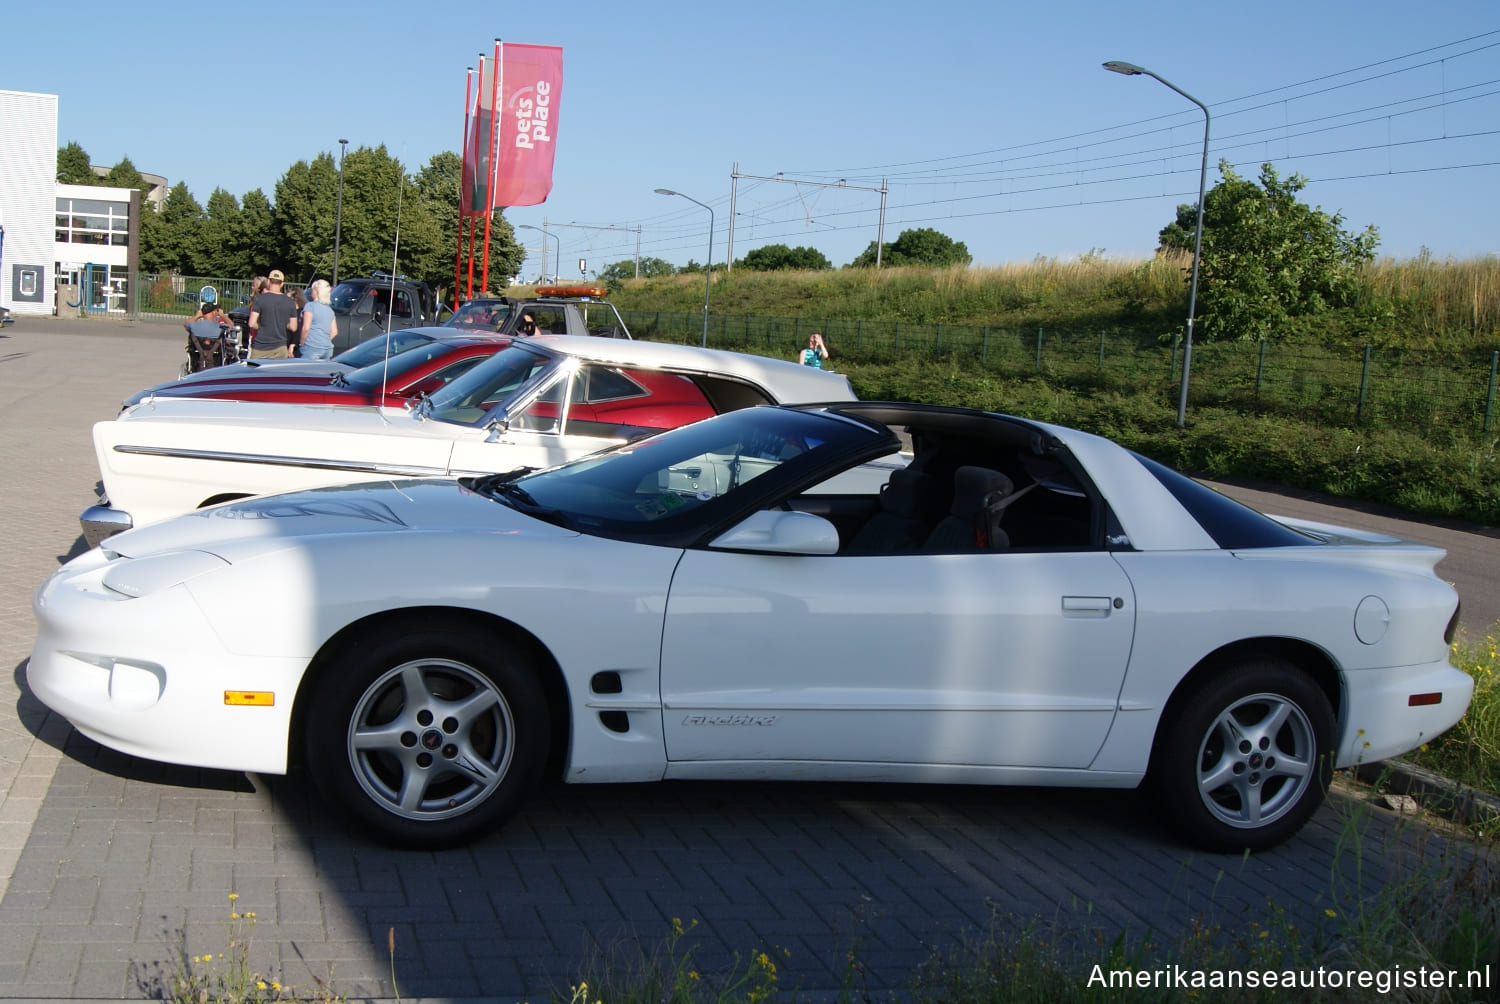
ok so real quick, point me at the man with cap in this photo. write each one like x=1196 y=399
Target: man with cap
x=271 y=316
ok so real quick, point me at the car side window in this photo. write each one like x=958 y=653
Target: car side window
x=601 y=383
x=549 y=320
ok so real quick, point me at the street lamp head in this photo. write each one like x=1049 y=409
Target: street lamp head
x=666 y=191
x=1120 y=66
x=342 y=142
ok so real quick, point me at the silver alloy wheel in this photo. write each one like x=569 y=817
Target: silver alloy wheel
x=1256 y=760
x=431 y=739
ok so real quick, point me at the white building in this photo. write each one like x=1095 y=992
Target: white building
x=28 y=200
x=95 y=233
x=63 y=248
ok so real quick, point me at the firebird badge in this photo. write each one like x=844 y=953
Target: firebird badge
x=730 y=720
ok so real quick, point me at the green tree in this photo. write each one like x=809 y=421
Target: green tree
x=437 y=184
x=304 y=213
x=779 y=257
x=157 y=251
x=73 y=166
x=124 y=175
x=650 y=268
x=1266 y=256
x=380 y=201
x=923 y=246
x=224 y=248
x=184 y=223
x=258 y=231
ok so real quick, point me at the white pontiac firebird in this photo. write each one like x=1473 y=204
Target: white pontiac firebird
x=536 y=403
x=1019 y=603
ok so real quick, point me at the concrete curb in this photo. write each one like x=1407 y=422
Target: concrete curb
x=1432 y=791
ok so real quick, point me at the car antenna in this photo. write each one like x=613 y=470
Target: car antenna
x=390 y=301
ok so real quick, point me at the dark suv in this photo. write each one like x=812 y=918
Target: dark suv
x=369 y=307
x=557 y=310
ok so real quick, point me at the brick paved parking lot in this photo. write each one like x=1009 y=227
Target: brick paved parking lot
x=110 y=866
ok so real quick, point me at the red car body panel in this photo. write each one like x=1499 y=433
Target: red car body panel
x=417 y=371
x=660 y=401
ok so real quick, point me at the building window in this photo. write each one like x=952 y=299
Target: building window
x=92 y=221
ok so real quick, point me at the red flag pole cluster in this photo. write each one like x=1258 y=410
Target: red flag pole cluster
x=513 y=170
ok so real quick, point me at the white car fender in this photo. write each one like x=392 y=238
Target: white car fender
x=601 y=613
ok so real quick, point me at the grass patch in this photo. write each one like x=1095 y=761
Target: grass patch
x=1421 y=474
x=1469 y=753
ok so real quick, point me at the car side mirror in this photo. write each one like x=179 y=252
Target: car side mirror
x=778 y=531
x=497 y=426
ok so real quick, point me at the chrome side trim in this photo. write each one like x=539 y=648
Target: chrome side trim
x=309 y=463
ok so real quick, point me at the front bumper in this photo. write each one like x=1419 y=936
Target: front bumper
x=150 y=676
x=100 y=522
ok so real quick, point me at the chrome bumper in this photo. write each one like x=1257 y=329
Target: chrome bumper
x=101 y=522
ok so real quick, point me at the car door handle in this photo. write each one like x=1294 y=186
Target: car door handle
x=1089 y=606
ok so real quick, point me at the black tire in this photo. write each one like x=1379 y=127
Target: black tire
x=1247 y=757
x=430 y=735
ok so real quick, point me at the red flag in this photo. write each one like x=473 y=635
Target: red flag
x=530 y=92
x=478 y=145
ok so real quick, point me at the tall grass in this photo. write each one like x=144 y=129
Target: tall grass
x=1440 y=300
x=1415 y=303
x=1469 y=753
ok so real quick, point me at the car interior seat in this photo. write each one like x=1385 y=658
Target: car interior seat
x=980 y=497
x=898 y=524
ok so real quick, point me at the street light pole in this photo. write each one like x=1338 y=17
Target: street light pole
x=545 y=234
x=708 y=266
x=338 y=212
x=1131 y=70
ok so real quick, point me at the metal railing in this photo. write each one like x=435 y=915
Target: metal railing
x=1427 y=392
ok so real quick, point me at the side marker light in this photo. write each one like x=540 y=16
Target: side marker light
x=250 y=698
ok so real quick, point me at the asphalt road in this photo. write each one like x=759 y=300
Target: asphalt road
x=110 y=867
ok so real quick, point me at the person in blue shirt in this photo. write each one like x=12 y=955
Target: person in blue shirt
x=319 y=327
x=815 y=353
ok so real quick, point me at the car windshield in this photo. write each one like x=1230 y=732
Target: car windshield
x=392 y=372
x=374 y=350
x=697 y=472
x=485 y=314
x=345 y=295
x=495 y=381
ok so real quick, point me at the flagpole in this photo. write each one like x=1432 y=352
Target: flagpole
x=489 y=183
x=458 y=258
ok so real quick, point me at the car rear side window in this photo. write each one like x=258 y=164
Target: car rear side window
x=1232 y=526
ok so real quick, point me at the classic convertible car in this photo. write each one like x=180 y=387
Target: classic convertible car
x=1019 y=603
x=537 y=403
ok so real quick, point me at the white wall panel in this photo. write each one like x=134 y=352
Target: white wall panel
x=28 y=178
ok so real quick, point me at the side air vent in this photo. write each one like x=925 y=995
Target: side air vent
x=615 y=721
x=606 y=683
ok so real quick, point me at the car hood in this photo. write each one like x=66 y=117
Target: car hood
x=234 y=373
x=239 y=530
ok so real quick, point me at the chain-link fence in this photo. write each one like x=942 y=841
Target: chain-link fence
x=1426 y=392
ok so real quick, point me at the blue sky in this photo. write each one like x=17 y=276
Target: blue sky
x=990 y=121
